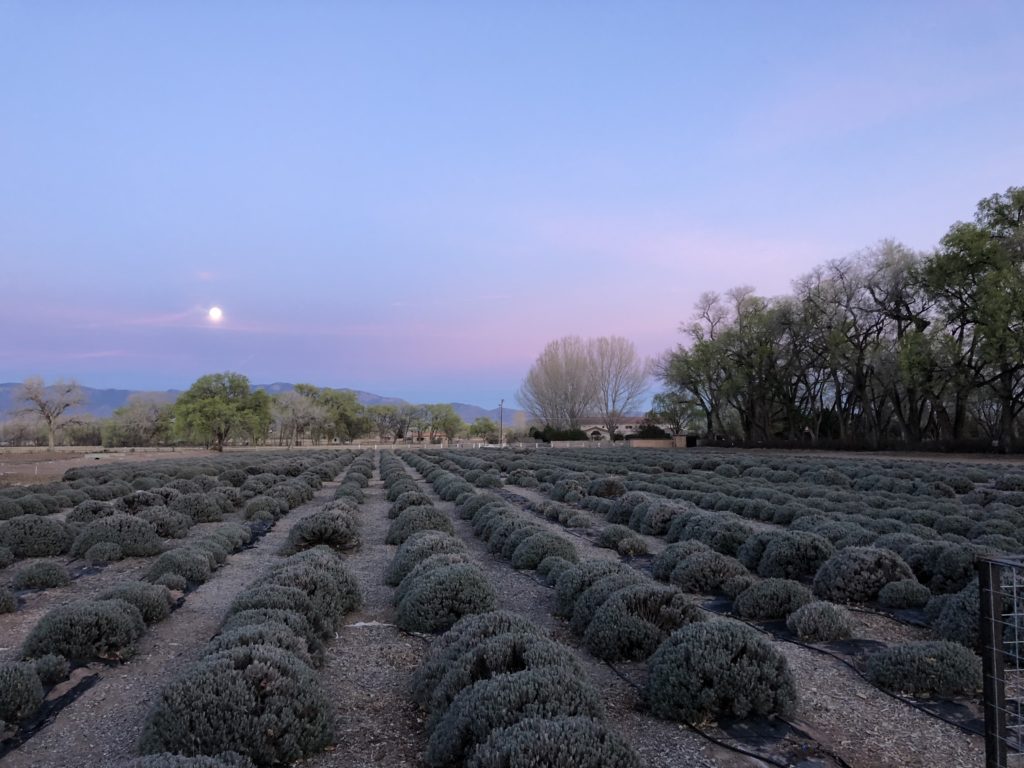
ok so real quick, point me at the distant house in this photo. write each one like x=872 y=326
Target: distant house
x=628 y=426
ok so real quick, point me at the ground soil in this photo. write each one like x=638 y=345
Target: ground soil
x=29 y=468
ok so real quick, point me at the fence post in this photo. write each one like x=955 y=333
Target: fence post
x=990 y=582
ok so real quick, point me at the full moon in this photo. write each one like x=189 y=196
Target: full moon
x=216 y=314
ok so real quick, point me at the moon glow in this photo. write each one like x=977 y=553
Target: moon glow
x=215 y=314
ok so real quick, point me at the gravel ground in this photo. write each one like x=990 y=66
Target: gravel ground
x=102 y=726
x=370 y=664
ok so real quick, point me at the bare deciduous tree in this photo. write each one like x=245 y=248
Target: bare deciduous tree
x=620 y=378
x=559 y=389
x=50 y=403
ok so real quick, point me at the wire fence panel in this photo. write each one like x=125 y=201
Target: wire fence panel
x=1001 y=581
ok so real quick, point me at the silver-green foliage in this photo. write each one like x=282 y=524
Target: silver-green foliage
x=820 y=622
x=926 y=668
x=504 y=700
x=21 y=693
x=88 y=629
x=560 y=742
x=718 y=667
x=256 y=700
x=444 y=595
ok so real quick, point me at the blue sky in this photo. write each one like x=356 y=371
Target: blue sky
x=413 y=198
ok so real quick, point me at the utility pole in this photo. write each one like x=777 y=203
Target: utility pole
x=501 y=423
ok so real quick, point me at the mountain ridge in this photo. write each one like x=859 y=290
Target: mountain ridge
x=102 y=403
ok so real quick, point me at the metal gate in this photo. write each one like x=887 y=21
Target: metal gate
x=1001 y=581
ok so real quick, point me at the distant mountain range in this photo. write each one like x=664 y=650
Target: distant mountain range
x=102 y=403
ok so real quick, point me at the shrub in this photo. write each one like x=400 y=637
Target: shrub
x=6 y=557
x=926 y=668
x=611 y=535
x=732 y=588
x=41 y=575
x=105 y=629
x=904 y=594
x=319 y=573
x=594 y=596
x=505 y=700
x=517 y=537
x=260 y=505
x=168 y=524
x=820 y=622
x=34 y=536
x=727 y=536
x=534 y=548
x=138 y=500
x=562 y=742
x=408 y=499
x=499 y=654
x=465 y=634
x=270 y=633
x=794 y=555
x=152 y=600
x=89 y=511
x=417 y=548
x=856 y=574
x=293 y=620
x=21 y=693
x=9 y=508
x=631 y=546
x=191 y=564
x=576 y=580
x=414 y=519
x=256 y=700
x=653 y=518
x=104 y=552
x=332 y=528
x=771 y=599
x=959 y=617
x=51 y=668
x=666 y=561
x=607 y=488
x=172 y=581
x=635 y=620
x=8 y=602
x=135 y=536
x=705 y=572
x=443 y=596
x=424 y=566
x=718 y=667
x=551 y=567
x=200 y=507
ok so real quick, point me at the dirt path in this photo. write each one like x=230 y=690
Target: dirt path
x=864 y=726
x=102 y=727
x=370 y=664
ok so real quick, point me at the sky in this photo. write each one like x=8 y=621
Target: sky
x=413 y=198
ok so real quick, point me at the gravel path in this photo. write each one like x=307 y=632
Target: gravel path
x=102 y=726
x=370 y=664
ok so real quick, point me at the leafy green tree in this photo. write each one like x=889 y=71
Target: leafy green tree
x=485 y=428
x=218 y=405
x=977 y=278
x=443 y=420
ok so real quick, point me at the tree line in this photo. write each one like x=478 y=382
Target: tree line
x=222 y=408
x=887 y=348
